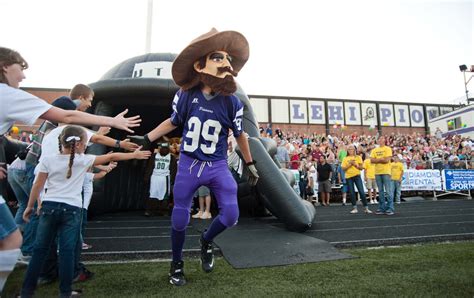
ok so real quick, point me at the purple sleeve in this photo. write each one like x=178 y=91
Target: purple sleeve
x=237 y=122
x=177 y=106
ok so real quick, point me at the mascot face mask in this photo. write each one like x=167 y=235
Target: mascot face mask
x=217 y=74
x=218 y=64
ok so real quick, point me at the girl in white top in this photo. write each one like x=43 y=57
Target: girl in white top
x=19 y=106
x=60 y=206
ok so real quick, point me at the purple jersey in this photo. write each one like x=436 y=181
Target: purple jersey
x=206 y=123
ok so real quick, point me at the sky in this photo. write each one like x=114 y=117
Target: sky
x=407 y=51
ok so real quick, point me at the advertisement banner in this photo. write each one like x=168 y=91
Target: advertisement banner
x=458 y=179
x=421 y=180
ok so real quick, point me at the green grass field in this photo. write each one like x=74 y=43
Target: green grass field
x=430 y=270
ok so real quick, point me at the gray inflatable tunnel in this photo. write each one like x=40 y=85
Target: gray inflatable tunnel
x=144 y=86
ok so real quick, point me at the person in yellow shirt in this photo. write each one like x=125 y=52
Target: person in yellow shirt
x=369 y=177
x=352 y=165
x=397 y=176
x=381 y=156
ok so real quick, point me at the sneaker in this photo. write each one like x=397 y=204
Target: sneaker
x=86 y=246
x=398 y=202
x=354 y=211
x=24 y=259
x=343 y=203
x=367 y=210
x=206 y=215
x=207 y=255
x=389 y=213
x=379 y=212
x=176 y=275
x=76 y=293
x=83 y=276
x=197 y=215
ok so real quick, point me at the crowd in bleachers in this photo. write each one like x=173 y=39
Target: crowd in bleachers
x=415 y=151
x=302 y=153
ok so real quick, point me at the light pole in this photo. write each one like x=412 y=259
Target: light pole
x=149 y=25
x=463 y=68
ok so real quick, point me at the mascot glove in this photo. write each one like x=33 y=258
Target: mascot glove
x=253 y=174
x=143 y=141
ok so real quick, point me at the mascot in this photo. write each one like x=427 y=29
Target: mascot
x=207 y=110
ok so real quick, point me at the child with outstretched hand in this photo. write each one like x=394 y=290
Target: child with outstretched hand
x=60 y=206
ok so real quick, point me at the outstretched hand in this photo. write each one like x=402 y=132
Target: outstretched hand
x=103 y=130
x=123 y=123
x=253 y=175
x=141 y=154
x=127 y=145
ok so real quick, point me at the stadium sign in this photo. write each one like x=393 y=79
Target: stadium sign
x=421 y=180
x=458 y=179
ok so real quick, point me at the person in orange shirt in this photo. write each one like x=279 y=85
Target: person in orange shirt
x=352 y=165
x=396 y=176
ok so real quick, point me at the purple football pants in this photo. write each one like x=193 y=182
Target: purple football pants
x=192 y=174
x=217 y=177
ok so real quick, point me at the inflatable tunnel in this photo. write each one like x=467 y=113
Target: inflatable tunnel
x=144 y=86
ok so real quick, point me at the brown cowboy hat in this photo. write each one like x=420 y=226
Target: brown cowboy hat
x=233 y=42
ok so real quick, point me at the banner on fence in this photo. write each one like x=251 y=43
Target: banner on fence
x=458 y=179
x=421 y=180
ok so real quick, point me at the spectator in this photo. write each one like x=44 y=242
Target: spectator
x=324 y=174
x=457 y=164
x=204 y=195
x=380 y=156
x=435 y=156
x=268 y=130
x=397 y=177
x=233 y=160
x=369 y=177
x=294 y=159
x=352 y=165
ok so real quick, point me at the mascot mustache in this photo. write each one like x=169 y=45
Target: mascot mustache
x=226 y=69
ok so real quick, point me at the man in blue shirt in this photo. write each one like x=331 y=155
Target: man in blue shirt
x=207 y=110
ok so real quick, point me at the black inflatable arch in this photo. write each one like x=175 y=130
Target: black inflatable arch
x=150 y=96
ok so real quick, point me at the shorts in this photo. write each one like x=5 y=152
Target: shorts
x=371 y=184
x=7 y=224
x=202 y=191
x=325 y=186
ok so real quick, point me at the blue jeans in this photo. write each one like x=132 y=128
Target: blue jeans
x=55 y=219
x=29 y=232
x=360 y=188
x=396 y=191
x=7 y=223
x=18 y=182
x=50 y=267
x=384 y=184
